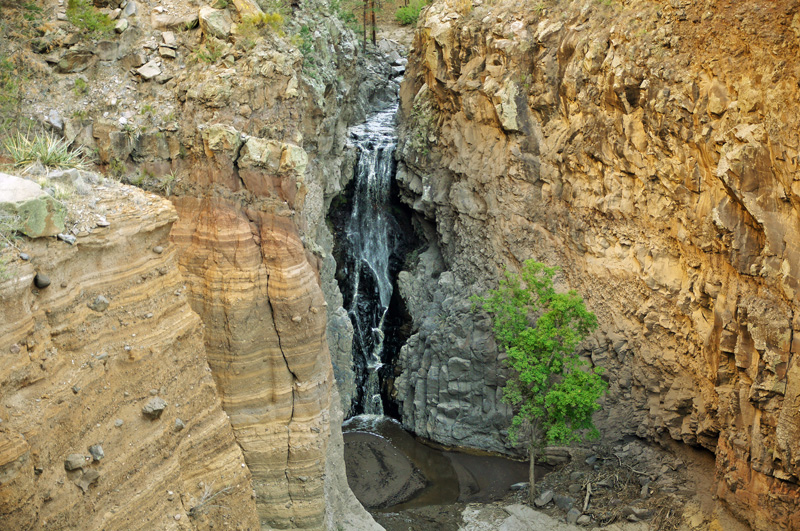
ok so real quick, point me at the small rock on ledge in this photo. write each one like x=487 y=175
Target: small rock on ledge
x=154 y=408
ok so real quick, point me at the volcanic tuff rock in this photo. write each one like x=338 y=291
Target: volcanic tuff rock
x=68 y=373
x=246 y=135
x=256 y=252
x=647 y=148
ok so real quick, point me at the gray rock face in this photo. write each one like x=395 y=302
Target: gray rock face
x=450 y=386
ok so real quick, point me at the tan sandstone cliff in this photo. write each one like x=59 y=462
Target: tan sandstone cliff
x=245 y=134
x=81 y=358
x=650 y=149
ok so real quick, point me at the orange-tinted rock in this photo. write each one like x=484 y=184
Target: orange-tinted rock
x=74 y=374
x=260 y=299
x=649 y=151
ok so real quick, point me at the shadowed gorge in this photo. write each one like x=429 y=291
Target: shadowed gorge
x=233 y=237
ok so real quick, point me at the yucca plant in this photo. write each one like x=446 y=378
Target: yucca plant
x=44 y=148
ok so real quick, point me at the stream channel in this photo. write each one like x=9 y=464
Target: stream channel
x=388 y=468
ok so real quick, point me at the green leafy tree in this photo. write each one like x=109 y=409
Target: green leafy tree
x=552 y=391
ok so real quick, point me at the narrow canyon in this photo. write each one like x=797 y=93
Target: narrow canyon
x=276 y=224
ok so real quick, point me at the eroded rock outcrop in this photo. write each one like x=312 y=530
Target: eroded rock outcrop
x=242 y=121
x=82 y=358
x=657 y=166
x=256 y=251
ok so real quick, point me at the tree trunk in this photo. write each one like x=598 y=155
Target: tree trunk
x=373 y=21
x=364 y=42
x=532 y=474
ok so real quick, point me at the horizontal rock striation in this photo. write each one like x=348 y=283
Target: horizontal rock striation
x=657 y=165
x=254 y=189
x=243 y=124
x=81 y=360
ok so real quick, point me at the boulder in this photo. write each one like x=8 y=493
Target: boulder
x=107 y=50
x=164 y=21
x=154 y=408
x=565 y=503
x=32 y=211
x=149 y=70
x=74 y=461
x=247 y=8
x=100 y=304
x=544 y=498
x=130 y=9
x=215 y=22
x=75 y=61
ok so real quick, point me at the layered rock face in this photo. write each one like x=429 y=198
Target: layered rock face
x=259 y=168
x=251 y=212
x=82 y=360
x=243 y=124
x=647 y=148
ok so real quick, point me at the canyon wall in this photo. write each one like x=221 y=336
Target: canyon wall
x=256 y=253
x=82 y=358
x=242 y=122
x=649 y=149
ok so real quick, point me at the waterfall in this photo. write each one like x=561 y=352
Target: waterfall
x=370 y=232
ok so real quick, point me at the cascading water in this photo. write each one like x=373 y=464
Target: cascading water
x=371 y=240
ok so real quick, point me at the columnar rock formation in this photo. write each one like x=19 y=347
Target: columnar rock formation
x=82 y=357
x=648 y=148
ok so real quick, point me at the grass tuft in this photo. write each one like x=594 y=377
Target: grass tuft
x=83 y=15
x=209 y=52
x=44 y=148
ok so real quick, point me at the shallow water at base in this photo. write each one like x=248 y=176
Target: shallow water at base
x=452 y=476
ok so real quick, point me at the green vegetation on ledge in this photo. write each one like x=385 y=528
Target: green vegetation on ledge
x=83 y=15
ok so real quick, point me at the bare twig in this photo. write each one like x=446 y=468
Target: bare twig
x=637 y=471
x=588 y=495
x=204 y=503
